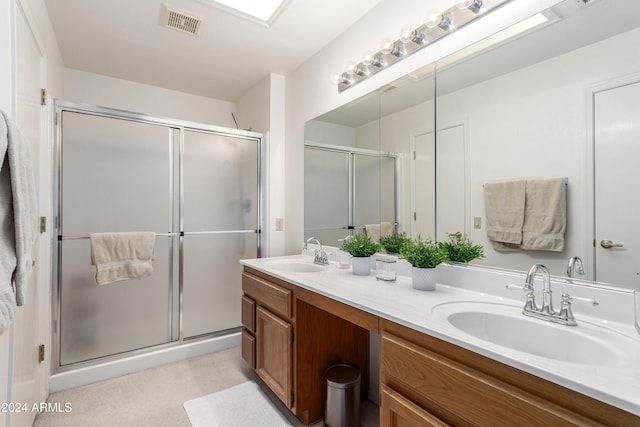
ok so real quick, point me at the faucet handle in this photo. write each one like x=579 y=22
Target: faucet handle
x=513 y=287
x=566 y=314
x=581 y=299
x=321 y=257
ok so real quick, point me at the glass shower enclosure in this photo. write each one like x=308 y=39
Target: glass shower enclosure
x=346 y=189
x=197 y=187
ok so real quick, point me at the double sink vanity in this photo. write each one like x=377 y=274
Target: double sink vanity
x=463 y=354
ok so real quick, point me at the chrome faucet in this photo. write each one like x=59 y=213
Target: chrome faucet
x=575 y=266
x=320 y=255
x=546 y=312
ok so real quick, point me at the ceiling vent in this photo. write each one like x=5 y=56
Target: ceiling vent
x=181 y=20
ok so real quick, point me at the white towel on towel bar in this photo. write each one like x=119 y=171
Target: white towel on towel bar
x=526 y=214
x=122 y=256
x=504 y=206
x=545 y=215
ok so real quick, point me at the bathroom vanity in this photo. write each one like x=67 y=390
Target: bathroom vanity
x=300 y=318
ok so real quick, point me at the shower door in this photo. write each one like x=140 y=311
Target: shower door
x=196 y=188
x=115 y=176
x=327 y=206
x=220 y=219
x=345 y=190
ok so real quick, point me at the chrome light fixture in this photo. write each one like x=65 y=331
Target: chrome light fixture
x=437 y=24
x=474 y=6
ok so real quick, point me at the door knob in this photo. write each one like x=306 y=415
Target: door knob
x=457 y=235
x=608 y=244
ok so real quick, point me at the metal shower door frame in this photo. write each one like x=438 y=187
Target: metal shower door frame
x=176 y=199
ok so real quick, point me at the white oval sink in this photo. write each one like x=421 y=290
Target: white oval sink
x=295 y=266
x=506 y=326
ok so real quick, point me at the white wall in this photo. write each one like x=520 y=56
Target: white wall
x=103 y=91
x=310 y=92
x=262 y=109
x=329 y=134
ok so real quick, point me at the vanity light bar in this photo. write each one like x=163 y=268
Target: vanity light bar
x=437 y=25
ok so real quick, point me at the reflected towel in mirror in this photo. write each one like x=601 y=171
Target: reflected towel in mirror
x=526 y=214
x=375 y=231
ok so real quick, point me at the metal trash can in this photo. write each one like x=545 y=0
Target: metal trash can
x=342 y=408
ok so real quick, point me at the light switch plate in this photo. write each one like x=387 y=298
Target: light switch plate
x=477 y=222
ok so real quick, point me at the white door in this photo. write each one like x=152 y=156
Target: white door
x=423 y=222
x=617 y=199
x=28 y=372
x=450 y=182
x=439 y=184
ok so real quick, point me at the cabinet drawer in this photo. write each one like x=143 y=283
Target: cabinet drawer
x=277 y=298
x=249 y=314
x=398 y=411
x=444 y=386
x=249 y=348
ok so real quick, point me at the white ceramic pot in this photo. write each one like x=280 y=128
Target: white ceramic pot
x=361 y=266
x=424 y=279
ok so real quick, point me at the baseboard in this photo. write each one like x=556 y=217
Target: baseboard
x=112 y=369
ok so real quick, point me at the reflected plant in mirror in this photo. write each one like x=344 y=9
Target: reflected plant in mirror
x=393 y=243
x=461 y=249
x=360 y=246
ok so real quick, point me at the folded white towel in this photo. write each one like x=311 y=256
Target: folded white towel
x=122 y=256
x=504 y=208
x=386 y=229
x=526 y=215
x=373 y=231
x=545 y=215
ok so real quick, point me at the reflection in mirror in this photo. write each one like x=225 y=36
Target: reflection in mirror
x=350 y=184
x=527 y=108
x=378 y=135
x=551 y=101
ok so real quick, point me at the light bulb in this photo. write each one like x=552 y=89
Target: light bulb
x=386 y=46
x=374 y=59
x=407 y=35
x=474 y=6
x=367 y=57
x=350 y=67
x=434 y=17
x=342 y=78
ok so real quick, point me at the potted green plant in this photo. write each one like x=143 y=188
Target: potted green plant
x=424 y=256
x=361 y=247
x=393 y=242
x=461 y=249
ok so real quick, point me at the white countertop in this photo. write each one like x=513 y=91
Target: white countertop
x=616 y=384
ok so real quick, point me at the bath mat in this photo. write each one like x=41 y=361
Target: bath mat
x=242 y=405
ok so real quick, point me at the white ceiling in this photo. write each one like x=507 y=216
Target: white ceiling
x=123 y=39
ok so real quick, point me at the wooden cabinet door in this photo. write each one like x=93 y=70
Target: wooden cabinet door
x=398 y=411
x=274 y=353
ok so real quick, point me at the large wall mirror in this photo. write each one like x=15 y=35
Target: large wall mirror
x=556 y=97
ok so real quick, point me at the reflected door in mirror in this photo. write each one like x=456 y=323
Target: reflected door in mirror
x=617 y=200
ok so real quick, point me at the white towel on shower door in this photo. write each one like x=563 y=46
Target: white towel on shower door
x=122 y=256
